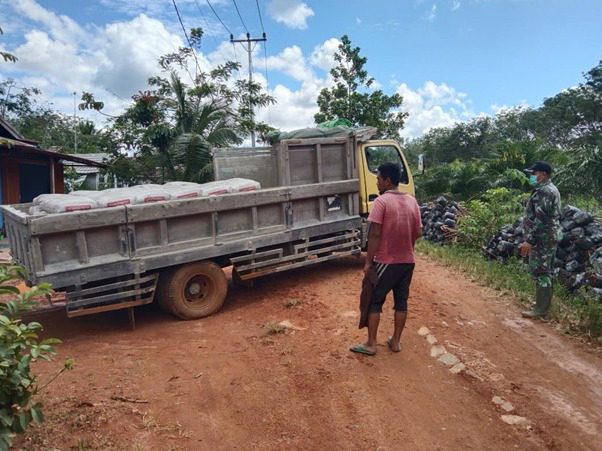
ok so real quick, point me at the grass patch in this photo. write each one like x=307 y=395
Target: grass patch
x=273 y=328
x=291 y=303
x=574 y=313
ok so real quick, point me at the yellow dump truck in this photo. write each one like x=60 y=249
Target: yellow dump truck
x=312 y=206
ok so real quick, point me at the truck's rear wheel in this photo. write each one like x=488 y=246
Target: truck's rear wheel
x=195 y=290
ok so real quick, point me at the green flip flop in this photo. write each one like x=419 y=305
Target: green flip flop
x=359 y=348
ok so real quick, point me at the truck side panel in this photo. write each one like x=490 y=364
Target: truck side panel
x=316 y=194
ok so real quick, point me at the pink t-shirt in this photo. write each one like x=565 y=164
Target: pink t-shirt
x=399 y=215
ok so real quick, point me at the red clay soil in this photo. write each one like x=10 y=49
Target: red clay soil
x=225 y=383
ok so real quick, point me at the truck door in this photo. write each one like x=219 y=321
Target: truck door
x=372 y=155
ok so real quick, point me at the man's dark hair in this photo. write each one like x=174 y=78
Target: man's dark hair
x=390 y=171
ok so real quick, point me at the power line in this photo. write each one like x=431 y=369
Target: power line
x=239 y=15
x=260 y=19
x=237 y=62
x=224 y=25
x=215 y=39
x=210 y=31
x=198 y=66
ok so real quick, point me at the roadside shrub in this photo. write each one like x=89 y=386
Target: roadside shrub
x=497 y=207
x=19 y=346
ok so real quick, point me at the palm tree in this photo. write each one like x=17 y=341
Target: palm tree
x=201 y=124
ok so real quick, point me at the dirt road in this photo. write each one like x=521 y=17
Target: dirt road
x=225 y=383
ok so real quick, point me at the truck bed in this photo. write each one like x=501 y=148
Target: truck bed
x=311 y=190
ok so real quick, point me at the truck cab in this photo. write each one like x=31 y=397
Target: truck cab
x=372 y=154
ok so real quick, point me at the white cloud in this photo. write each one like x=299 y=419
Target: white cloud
x=59 y=27
x=432 y=105
x=128 y=53
x=292 y=62
x=59 y=56
x=292 y=13
x=323 y=55
x=432 y=14
x=455 y=5
x=496 y=108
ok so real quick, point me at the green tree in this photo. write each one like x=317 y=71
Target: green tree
x=7 y=56
x=22 y=108
x=170 y=129
x=343 y=100
x=19 y=347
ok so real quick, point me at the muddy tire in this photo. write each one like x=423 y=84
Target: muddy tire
x=194 y=290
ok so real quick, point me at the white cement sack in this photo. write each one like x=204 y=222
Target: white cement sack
x=69 y=203
x=42 y=197
x=86 y=193
x=149 y=193
x=214 y=188
x=180 y=184
x=37 y=211
x=183 y=190
x=115 y=197
x=238 y=185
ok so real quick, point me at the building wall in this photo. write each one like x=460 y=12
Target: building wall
x=10 y=174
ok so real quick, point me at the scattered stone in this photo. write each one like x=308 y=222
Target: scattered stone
x=445 y=323
x=505 y=405
x=437 y=351
x=497 y=400
x=448 y=359
x=423 y=331
x=457 y=368
x=473 y=375
x=515 y=420
x=431 y=339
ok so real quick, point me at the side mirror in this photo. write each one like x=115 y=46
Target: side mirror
x=421 y=163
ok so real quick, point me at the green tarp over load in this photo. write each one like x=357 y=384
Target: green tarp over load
x=362 y=133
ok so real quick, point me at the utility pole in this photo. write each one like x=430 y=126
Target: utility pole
x=75 y=120
x=249 y=49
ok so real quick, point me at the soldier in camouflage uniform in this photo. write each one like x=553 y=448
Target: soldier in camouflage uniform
x=542 y=234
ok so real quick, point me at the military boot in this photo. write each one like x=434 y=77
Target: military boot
x=543 y=300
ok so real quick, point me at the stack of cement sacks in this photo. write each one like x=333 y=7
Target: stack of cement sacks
x=439 y=219
x=578 y=261
x=139 y=194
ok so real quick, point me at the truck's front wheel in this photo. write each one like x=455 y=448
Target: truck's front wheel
x=195 y=290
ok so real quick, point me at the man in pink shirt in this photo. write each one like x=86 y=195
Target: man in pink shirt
x=394 y=227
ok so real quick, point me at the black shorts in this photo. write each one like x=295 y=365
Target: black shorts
x=396 y=277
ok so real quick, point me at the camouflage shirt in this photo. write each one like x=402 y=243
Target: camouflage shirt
x=543 y=214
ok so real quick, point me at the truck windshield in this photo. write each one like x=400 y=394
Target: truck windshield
x=377 y=155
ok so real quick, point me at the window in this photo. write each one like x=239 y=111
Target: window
x=377 y=155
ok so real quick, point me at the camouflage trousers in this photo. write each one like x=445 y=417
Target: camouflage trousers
x=541 y=262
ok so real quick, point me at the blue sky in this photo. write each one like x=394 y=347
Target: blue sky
x=450 y=59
